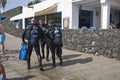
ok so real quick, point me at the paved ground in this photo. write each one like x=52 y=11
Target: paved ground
x=77 y=66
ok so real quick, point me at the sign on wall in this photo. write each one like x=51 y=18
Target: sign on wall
x=66 y=23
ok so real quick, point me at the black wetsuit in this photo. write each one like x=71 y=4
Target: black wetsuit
x=45 y=42
x=55 y=48
x=33 y=43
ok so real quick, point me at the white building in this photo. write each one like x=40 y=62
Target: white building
x=74 y=14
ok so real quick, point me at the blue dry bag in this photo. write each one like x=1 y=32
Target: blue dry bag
x=23 y=52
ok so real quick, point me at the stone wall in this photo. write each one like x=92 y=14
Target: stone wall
x=9 y=26
x=100 y=42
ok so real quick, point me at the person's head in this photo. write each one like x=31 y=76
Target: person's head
x=33 y=20
x=51 y=21
x=111 y=23
x=41 y=22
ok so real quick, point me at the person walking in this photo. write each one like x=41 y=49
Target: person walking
x=55 y=42
x=44 y=41
x=33 y=33
x=2 y=39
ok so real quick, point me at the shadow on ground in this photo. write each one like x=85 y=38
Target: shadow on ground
x=22 y=78
x=75 y=61
x=46 y=67
x=68 y=60
x=70 y=56
x=65 y=57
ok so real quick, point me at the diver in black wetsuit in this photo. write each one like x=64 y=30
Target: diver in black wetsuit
x=33 y=33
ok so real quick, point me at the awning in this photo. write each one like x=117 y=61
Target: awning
x=45 y=7
x=23 y=15
x=48 y=10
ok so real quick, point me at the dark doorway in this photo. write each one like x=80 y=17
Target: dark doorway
x=85 y=18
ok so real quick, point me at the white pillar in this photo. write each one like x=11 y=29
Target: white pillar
x=105 y=15
x=75 y=16
x=23 y=23
x=66 y=8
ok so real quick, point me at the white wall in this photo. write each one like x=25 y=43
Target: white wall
x=72 y=11
x=40 y=6
x=66 y=8
x=45 y=4
x=97 y=20
x=26 y=9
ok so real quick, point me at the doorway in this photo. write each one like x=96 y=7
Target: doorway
x=85 y=18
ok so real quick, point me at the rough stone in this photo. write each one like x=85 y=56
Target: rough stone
x=103 y=42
